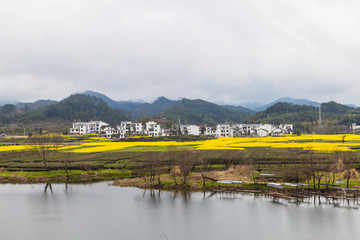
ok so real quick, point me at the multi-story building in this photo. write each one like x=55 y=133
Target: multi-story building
x=109 y=132
x=264 y=130
x=131 y=128
x=153 y=129
x=190 y=130
x=224 y=130
x=283 y=129
x=92 y=127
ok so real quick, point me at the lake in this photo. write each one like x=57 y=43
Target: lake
x=101 y=211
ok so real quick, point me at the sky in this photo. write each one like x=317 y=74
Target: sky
x=229 y=51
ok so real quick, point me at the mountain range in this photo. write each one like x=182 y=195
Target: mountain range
x=131 y=105
x=93 y=105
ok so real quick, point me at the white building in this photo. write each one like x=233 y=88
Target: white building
x=261 y=130
x=224 y=130
x=130 y=128
x=264 y=130
x=165 y=132
x=286 y=128
x=109 y=132
x=355 y=127
x=79 y=128
x=153 y=129
x=190 y=130
x=208 y=131
x=92 y=127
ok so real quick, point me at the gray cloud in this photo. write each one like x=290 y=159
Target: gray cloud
x=223 y=51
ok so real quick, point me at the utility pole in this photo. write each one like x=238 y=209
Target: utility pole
x=320 y=115
x=179 y=128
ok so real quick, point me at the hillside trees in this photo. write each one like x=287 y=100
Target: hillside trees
x=84 y=108
x=202 y=112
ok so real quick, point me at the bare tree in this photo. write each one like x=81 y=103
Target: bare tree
x=350 y=161
x=154 y=166
x=46 y=147
x=336 y=167
x=175 y=172
x=66 y=164
x=350 y=173
x=185 y=162
x=315 y=168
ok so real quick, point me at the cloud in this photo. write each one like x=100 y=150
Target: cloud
x=228 y=51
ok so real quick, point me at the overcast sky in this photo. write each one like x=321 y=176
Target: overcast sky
x=228 y=51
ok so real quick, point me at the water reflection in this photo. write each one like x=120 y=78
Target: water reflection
x=48 y=186
x=155 y=196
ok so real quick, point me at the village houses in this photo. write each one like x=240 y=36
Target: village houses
x=92 y=127
x=154 y=129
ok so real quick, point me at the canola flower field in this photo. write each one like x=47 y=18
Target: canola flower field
x=314 y=143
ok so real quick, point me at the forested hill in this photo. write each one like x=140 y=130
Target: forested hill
x=123 y=105
x=350 y=117
x=202 y=112
x=84 y=108
x=155 y=108
x=76 y=107
x=40 y=104
x=289 y=113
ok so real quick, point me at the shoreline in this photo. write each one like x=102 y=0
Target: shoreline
x=259 y=188
x=195 y=183
x=62 y=176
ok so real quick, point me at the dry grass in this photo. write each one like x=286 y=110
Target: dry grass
x=237 y=173
x=194 y=181
x=131 y=182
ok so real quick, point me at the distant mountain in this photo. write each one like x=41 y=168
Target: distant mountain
x=202 y=112
x=8 y=102
x=84 y=108
x=240 y=108
x=153 y=109
x=283 y=112
x=103 y=97
x=252 y=105
x=133 y=101
x=123 y=105
x=352 y=105
x=36 y=105
x=288 y=100
x=130 y=105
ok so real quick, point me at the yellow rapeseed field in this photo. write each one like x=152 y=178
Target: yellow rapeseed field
x=11 y=148
x=315 y=143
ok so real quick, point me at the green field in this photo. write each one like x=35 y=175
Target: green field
x=77 y=155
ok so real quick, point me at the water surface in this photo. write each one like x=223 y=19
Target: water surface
x=100 y=211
